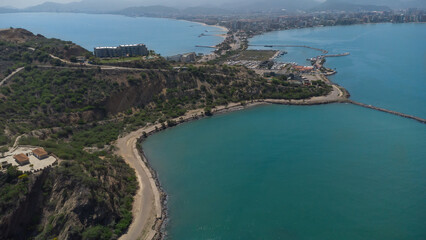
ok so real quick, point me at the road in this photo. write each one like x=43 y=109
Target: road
x=11 y=75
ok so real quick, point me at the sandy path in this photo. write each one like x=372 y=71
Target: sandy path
x=11 y=75
x=146 y=205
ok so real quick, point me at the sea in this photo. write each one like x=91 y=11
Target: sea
x=165 y=36
x=333 y=172
x=386 y=66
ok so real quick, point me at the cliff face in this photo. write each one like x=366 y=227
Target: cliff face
x=26 y=211
x=70 y=201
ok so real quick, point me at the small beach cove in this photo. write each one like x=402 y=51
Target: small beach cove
x=165 y=36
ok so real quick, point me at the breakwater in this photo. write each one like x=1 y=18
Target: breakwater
x=337 y=55
x=388 y=111
x=302 y=46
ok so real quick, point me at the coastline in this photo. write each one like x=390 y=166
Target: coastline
x=150 y=202
x=153 y=227
x=338 y=95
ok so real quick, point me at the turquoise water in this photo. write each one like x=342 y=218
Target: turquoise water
x=289 y=172
x=386 y=68
x=317 y=172
x=165 y=36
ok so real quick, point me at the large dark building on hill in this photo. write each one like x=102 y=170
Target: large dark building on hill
x=122 y=51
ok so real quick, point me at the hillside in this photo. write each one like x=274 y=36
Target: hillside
x=337 y=6
x=77 y=111
x=19 y=47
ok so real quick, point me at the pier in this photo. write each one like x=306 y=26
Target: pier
x=388 y=111
x=314 y=59
x=304 y=46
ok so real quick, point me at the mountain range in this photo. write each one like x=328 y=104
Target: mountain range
x=134 y=8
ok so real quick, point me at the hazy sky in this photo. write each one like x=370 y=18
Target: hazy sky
x=27 y=3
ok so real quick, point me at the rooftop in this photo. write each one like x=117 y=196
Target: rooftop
x=126 y=45
x=21 y=158
x=40 y=152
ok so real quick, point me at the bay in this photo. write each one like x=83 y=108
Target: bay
x=165 y=36
x=289 y=172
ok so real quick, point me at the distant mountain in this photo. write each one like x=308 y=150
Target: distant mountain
x=205 y=11
x=8 y=10
x=217 y=7
x=333 y=5
x=89 y=6
x=150 y=11
x=131 y=7
x=162 y=11
x=393 y=4
x=273 y=5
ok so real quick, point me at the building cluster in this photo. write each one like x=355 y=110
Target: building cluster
x=28 y=159
x=122 y=51
x=303 y=69
x=184 y=58
x=271 y=65
x=23 y=158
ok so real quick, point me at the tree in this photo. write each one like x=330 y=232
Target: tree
x=3 y=150
x=208 y=111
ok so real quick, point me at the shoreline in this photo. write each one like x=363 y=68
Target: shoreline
x=150 y=209
x=158 y=214
x=155 y=229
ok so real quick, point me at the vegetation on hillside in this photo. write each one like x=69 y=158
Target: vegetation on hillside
x=19 y=47
x=77 y=112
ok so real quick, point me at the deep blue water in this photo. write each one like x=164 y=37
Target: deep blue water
x=165 y=36
x=386 y=68
x=290 y=172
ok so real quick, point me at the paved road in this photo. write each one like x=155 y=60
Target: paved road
x=11 y=75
